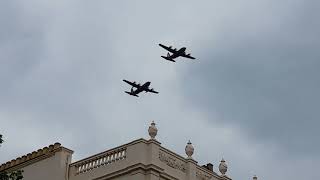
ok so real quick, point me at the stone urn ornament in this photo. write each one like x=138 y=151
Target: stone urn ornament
x=153 y=130
x=189 y=149
x=223 y=167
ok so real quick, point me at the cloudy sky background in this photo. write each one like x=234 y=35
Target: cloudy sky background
x=251 y=97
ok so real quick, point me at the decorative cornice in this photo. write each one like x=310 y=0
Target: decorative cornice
x=136 y=168
x=203 y=176
x=203 y=170
x=45 y=151
x=154 y=141
x=225 y=177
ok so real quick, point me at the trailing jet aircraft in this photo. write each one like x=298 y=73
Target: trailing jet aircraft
x=139 y=88
x=175 y=53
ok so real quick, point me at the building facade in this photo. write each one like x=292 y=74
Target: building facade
x=138 y=160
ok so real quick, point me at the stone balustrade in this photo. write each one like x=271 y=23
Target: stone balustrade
x=99 y=160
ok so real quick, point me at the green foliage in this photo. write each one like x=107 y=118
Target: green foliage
x=15 y=175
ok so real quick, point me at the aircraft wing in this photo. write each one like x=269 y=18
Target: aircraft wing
x=133 y=84
x=188 y=56
x=168 y=48
x=151 y=90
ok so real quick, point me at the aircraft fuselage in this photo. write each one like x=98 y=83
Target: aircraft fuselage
x=181 y=51
x=142 y=88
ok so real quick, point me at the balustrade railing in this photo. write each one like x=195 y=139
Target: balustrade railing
x=99 y=160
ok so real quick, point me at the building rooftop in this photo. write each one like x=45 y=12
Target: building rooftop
x=140 y=154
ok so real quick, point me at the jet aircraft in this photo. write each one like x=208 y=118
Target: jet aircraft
x=139 y=88
x=175 y=53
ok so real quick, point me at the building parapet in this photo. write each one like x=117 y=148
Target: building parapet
x=104 y=158
x=33 y=157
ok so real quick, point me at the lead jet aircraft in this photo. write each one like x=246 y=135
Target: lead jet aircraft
x=175 y=53
x=139 y=88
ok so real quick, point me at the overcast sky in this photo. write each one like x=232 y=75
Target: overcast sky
x=251 y=97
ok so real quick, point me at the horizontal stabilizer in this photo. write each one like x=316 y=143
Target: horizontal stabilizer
x=169 y=59
x=131 y=94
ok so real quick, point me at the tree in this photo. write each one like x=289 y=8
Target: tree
x=15 y=175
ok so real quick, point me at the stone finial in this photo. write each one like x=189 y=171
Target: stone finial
x=153 y=130
x=51 y=147
x=255 y=177
x=7 y=164
x=45 y=149
x=28 y=156
x=33 y=154
x=23 y=158
x=223 y=167
x=189 y=149
x=12 y=162
x=39 y=152
x=56 y=145
x=18 y=160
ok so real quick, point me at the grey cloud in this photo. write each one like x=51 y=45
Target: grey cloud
x=266 y=81
x=63 y=63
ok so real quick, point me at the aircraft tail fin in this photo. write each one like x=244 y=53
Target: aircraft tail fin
x=132 y=94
